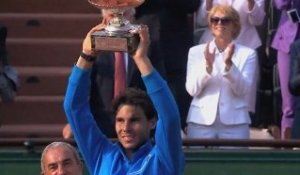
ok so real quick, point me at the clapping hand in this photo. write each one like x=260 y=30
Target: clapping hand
x=209 y=58
x=251 y=4
x=229 y=54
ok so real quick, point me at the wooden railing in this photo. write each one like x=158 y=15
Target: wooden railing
x=32 y=142
x=22 y=156
x=242 y=143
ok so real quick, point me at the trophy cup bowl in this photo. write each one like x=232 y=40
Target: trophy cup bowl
x=119 y=34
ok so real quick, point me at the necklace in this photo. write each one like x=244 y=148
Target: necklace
x=221 y=50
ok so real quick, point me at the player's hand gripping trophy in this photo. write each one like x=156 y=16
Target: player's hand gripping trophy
x=119 y=34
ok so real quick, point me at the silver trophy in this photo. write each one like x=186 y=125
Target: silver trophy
x=119 y=34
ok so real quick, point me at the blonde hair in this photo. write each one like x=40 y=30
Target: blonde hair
x=230 y=12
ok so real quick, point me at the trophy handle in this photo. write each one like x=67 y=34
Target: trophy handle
x=119 y=4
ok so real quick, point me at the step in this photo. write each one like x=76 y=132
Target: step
x=43 y=81
x=31 y=131
x=30 y=25
x=47 y=6
x=43 y=52
x=33 y=110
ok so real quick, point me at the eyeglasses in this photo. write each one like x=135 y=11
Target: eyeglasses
x=223 y=20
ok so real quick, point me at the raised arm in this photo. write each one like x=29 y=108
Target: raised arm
x=281 y=4
x=167 y=135
x=88 y=136
x=87 y=49
x=140 y=56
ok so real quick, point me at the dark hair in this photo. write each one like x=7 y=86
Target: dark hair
x=135 y=97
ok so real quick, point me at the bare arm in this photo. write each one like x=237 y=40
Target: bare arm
x=140 y=56
x=209 y=4
x=87 y=49
x=250 y=4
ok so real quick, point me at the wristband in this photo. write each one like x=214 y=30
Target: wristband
x=89 y=58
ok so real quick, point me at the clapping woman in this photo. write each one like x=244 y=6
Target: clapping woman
x=220 y=74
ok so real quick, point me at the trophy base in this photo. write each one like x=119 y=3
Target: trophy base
x=104 y=41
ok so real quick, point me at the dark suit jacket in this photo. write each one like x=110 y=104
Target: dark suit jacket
x=294 y=85
x=3 y=53
x=176 y=37
x=102 y=89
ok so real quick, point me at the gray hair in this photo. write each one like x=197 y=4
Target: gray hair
x=55 y=145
